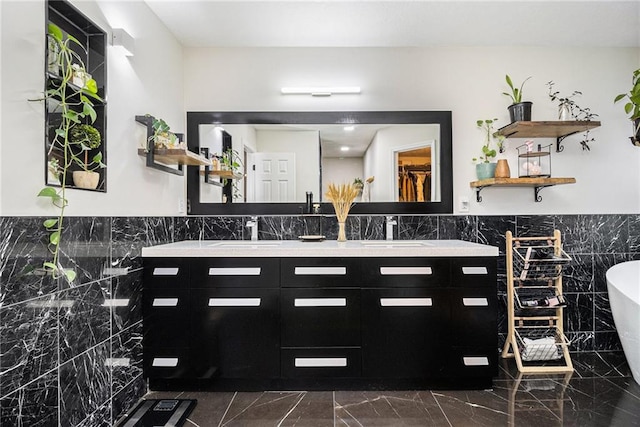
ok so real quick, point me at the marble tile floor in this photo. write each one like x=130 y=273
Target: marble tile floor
x=601 y=392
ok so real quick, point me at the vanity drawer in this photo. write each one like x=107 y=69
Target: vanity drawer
x=166 y=317
x=165 y=272
x=166 y=363
x=405 y=272
x=475 y=271
x=235 y=273
x=474 y=316
x=473 y=362
x=320 y=317
x=319 y=272
x=338 y=362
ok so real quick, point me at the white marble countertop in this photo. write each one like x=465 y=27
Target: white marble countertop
x=326 y=248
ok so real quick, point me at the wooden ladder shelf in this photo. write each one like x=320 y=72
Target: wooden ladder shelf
x=535 y=336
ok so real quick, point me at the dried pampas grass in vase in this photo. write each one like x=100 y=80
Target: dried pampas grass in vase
x=342 y=198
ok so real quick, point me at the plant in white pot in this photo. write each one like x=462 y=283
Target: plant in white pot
x=519 y=110
x=632 y=107
x=485 y=168
x=86 y=138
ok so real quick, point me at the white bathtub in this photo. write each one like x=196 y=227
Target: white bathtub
x=623 y=283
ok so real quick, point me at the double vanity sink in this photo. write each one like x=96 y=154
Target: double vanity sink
x=295 y=248
x=324 y=315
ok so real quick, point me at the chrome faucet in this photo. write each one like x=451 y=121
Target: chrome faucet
x=390 y=223
x=253 y=225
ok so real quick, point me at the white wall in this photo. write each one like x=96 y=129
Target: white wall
x=166 y=80
x=341 y=170
x=150 y=82
x=467 y=81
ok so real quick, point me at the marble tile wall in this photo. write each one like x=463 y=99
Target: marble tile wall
x=71 y=353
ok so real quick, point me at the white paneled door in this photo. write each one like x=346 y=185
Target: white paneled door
x=274 y=177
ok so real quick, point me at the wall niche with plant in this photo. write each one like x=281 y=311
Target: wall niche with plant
x=75 y=94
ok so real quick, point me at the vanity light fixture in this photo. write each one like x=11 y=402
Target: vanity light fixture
x=121 y=40
x=349 y=128
x=320 y=91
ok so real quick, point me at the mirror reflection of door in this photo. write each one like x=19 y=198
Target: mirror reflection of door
x=273 y=176
x=414 y=181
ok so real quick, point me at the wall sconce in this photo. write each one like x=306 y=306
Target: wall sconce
x=123 y=41
x=320 y=91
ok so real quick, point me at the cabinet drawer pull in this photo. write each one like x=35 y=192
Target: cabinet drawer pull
x=475 y=302
x=474 y=270
x=165 y=362
x=320 y=302
x=320 y=362
x=235 y=271
x=475 y=361
x=234 y=302
x=306 y=271
x=406 y=302
x=116 y=302
x=165 y=302
x=386 y=271
x=166 y=271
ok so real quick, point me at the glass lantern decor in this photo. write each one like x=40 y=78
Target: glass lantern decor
x=534 y=162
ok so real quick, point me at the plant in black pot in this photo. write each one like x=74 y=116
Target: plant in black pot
x=632 y=107
x=485 y=168
x=86 y=138
x=519 y=110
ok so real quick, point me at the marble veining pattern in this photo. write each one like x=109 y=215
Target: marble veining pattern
x=41 y=335
x=599 y=393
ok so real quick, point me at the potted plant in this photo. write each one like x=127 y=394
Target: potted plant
x=632 y=107
x=519 y=110
x=74 y=105
x=162 y=136
x=86 y=138
x=568 y=109
x=486 y=169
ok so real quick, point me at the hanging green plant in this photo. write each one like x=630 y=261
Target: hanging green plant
x=75 y=107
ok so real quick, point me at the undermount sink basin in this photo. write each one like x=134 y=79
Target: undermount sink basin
x=394 y=244
x=243 y=244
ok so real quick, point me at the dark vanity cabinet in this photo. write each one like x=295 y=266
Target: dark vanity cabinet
x=320 y=323
x=406 y=306
x=320 y=318
x=166 y=307
x=235 y=318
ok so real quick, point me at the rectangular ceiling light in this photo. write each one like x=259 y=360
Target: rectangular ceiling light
x=320 y=91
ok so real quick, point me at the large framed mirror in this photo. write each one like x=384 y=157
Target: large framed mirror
x=400 y=160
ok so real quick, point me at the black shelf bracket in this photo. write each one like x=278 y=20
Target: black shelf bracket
x=205 y=152
x=536 y=191
x=151 y=162
x=559 y=147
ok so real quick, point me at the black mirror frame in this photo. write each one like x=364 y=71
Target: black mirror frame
x=442 y=118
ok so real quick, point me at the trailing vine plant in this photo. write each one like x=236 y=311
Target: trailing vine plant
x=577 y=112
x=75 y=106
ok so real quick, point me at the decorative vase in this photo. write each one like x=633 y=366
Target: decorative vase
x=520 y=112
x=85 y=179
x=564 y=113
x=502 y=169
x=485 y=170
x=342 y=236
x=635 y=139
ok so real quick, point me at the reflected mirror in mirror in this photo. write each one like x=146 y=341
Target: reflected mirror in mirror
x=277 y=159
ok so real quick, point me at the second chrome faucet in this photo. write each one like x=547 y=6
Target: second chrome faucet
x=252 y=224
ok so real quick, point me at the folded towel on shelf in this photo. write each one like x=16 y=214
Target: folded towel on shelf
x=540 y=349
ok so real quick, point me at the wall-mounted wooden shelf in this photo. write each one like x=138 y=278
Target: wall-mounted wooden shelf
x=176 y=156
x=537 y=184
x=546 y=129
x=226 y=174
